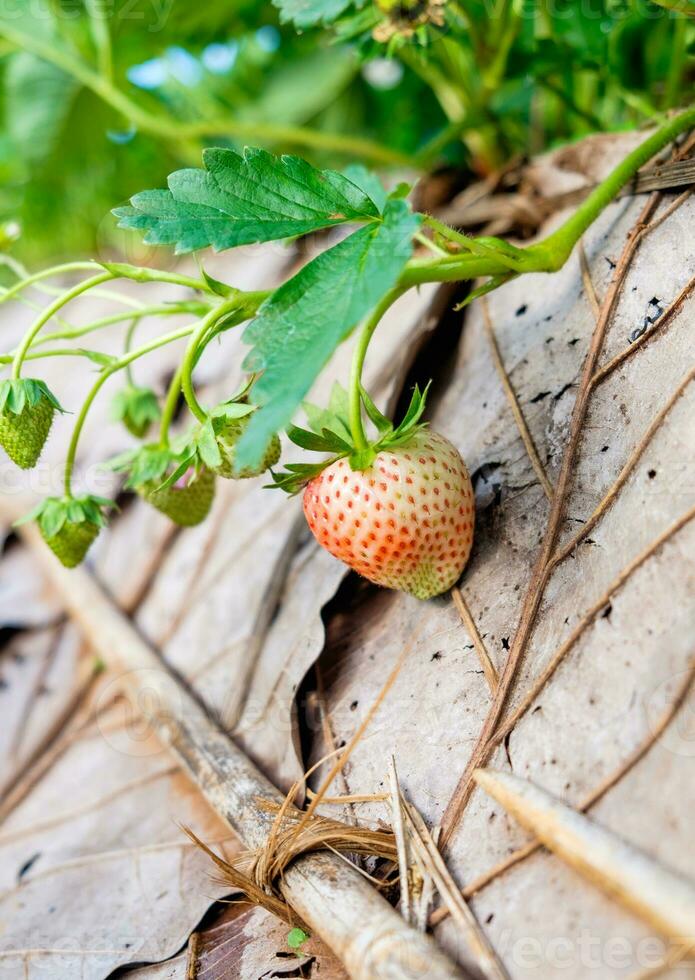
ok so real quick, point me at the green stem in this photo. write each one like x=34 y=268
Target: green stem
x=77 y=430
x=552 y=253
x=55 y=270
x=204 y=333
x=169 y=409
x=168 y=309
x=127 y=343
x=558 y=246
x=174 y=130
x=189 y=362
x=97 y=386
x=50 y=310
x=54 y=352
x=359 y=436
x=481 y=249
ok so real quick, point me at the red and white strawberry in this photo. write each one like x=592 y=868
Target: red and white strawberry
x=400 y=512
x=406 y=522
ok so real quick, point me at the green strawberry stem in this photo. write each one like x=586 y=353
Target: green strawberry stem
x=166 y=309
x=552 y=253
x=559 y=245
x=54 y=352
x=245 y=305
x=127 y=344
x=99 y=383
x=46 y=315
x=56 y=270
x=476 y=247
x=169 y=409
x=359 y=436
x=189 y=362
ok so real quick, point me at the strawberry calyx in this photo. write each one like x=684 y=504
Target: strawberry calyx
x=215 y=439
x=18 y=394
x=52 y=514
x=329 y=432
x=136 y=407
x=155 y=464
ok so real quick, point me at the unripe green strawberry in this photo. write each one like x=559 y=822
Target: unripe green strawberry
x=69 y=524
x=72 y=542
x=27 y=408
x=227 y=436
x=186 y=502
x=137 y=408
x=405 y=522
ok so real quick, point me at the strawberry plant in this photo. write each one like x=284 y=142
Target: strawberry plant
x=394 y=501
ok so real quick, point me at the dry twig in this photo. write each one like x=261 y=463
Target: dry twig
x=514 y=404
x=658 y=895
x=491 y=675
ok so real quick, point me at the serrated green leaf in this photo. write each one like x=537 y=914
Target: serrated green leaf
x=309 y=13
x=237 y=200
x=302 y=323
x=368 y=182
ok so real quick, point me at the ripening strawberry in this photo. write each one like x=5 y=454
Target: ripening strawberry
x=405 y=522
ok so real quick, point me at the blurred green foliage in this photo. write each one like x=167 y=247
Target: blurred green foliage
x=101 y=98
